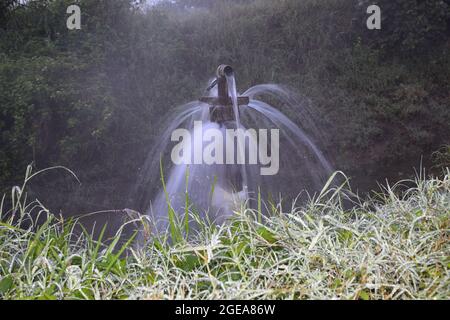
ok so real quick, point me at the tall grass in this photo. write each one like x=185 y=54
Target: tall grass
x=394 y=245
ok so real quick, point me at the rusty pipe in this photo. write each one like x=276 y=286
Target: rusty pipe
x=221 y=107
x=224 y=70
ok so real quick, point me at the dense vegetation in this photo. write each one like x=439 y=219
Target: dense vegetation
x=92 y=99
x=394 y=246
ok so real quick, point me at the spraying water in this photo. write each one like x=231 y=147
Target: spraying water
x=231 y=81
x=216 y=190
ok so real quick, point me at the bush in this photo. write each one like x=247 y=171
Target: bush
x=409 y=27
x=394 y=246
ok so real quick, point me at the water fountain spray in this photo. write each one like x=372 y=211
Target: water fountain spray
x=216 y=191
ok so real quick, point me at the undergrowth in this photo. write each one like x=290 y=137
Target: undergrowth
x=394 y=245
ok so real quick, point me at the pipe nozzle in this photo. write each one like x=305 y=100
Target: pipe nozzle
x=224 y=70
x=221 y=106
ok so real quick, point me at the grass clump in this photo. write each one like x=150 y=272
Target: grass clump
x=392 y=246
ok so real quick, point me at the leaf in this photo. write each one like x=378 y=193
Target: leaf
x=364 y=295
x=267 y=235
x=84 y=293
x=115 y=258
x=345 y=235
x=47 y=296
x=189 y=263
x=6 y=284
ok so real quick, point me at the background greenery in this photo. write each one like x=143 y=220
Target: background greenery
x=93 y=99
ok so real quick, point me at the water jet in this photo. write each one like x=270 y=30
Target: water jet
x=217 y=190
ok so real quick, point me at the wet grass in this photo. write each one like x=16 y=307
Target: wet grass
x=392 y=246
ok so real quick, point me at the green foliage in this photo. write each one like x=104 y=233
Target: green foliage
x=394 y=246
x=93 y=99
x=411 y=27
x=57 y=106
x=441 y=157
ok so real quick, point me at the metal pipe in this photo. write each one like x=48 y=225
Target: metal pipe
x=224 y=70
x=221 y=107
x=222 y=85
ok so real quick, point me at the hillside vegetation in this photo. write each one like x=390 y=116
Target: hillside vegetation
x=92 y=99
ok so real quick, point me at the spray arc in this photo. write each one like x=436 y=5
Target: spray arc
x=216 y=191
